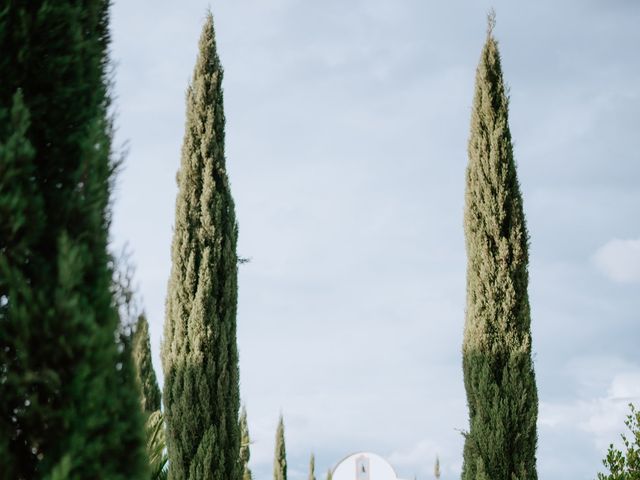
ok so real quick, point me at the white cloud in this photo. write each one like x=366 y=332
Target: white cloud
x=602 y=418
x=620 y=260
x=416 y=454
x=420 y=458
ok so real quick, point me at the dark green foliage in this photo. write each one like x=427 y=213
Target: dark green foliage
x=68 y=402
x=19 y=203
x=280 y=454
x=199 y=353
x=312 y=467
x=245 y=444
x=146 y=375
x=498 y=369
x=625 y=465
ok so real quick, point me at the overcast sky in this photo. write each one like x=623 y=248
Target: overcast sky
x=347 y=126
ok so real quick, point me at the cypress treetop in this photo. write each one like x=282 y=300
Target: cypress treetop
x=245 y=444
x=280 y=454
x=145 y=374
x=498 y=369
x=312 y=467
x=199 y=353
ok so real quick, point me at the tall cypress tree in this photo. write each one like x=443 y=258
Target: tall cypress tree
x=199 y=353
x=498 y=369
x=280 y=454
x=312 y=467
x=146 y=375
x=245 y=445
x=22 y=212
x=68 y=402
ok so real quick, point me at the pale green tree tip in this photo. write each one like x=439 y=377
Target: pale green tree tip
x=312 y=467
x=280 y=455
x=491 y=21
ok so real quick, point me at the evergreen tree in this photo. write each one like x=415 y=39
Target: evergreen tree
x=329 y=475
x=498 y=369
x=135 y=330
x=68 y=401
x=199 y=352
x=280 y=456
x=312 y=467
x=245 y=442
x=436 y=469
x=22 y=212
x=145 y=374
x=625 y=465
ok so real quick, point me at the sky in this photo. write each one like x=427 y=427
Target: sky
x=347 y=129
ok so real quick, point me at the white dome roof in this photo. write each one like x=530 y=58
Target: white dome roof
x=364 y=466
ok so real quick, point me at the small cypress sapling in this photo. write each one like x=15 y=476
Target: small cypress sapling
x=145 y=374
x=280 y=455
x=312 y=467
x=245 y=443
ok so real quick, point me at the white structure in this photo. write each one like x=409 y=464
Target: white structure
x=364 y=466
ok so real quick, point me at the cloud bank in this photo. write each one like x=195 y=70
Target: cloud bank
x=619 y=260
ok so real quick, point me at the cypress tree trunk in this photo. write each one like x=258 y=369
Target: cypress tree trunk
x=145 y=374
x=280 y=455
x=199 y=353
x=68 y=401
x=312 y=467
x=498 y=369
x=245 y=443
